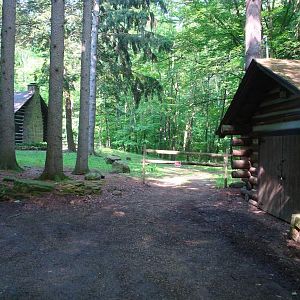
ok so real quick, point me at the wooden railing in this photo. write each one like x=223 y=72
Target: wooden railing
x=223 y=165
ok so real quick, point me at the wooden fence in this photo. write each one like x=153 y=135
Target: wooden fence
x=223 y=165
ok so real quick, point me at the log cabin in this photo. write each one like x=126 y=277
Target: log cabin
x=30 y=116
x=263 y=120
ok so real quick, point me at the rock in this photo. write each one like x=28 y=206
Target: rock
x=32 y=186
x=79 y=188
x=295 y=228
x=9 y=193
x=94 y=176
x=237 y=185
x=117 y=193
x=110 y=159
x=128 y=158
x=4 y=191
x=120 y=167
x=9 y=179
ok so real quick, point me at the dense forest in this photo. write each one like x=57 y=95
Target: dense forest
x=165 y=70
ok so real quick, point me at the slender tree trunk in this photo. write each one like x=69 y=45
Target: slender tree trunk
x=92 y=108
x=83 y=132
x=221 y=116
x=253 y=31
x=54 y=158
x=107 y=143
x=187 y=139
x=7 y=122
x=69 y=126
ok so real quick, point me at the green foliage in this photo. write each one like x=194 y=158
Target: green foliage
x=166 y=70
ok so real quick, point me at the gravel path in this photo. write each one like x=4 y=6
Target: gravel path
x=179 y=238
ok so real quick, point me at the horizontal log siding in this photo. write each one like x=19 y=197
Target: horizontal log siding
x=282 y=114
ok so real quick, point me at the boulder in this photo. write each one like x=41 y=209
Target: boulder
x=237 y=185
x=110 y=159
x=32 y=186
x=94 y=176
x=128 y=158
x=9 y=179
x=117 y=193
x=79 y=188
x=120 y=167
x=295 y=228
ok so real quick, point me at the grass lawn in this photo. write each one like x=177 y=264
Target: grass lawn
x=33 y=158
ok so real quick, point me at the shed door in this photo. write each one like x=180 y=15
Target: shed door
x=291 y=176
x=270 y=189
x=279 y=175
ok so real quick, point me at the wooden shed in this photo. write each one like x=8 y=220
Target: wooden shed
x=30 y=116
x=264 y=118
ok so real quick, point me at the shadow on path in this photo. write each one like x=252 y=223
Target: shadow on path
x=178 y=238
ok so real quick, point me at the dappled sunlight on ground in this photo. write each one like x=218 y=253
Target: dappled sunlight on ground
x=184 y=178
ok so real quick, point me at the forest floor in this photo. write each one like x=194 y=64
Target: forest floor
x=177 y=237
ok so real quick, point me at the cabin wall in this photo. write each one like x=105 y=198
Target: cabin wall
x=19 y=121
x=33 y=121
x=278 y=113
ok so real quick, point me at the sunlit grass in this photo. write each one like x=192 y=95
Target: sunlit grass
x=29 y=158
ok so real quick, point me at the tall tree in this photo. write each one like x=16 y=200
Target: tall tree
x=69 y=111
x=92 y=108
x=54 y=159
x=253 y=31
x=7 y=124
x=83 y=132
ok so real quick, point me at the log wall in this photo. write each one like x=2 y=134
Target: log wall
x=278 y=112
x=244 y=163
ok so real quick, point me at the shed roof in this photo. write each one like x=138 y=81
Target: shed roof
x=20 y=98
x=261 y=76
x=285 y=69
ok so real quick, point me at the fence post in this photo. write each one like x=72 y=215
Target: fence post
x=144 y=164
x=226 y=169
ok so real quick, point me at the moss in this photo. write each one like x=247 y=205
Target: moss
x=79 y=188
x=33 y=186
x=94 y=176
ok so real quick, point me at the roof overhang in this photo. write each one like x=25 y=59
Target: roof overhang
x=262 y=76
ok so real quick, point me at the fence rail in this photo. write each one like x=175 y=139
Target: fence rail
x=225 y=157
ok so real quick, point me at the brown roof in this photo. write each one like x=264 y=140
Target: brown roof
x=261 y=76
x=286 y=69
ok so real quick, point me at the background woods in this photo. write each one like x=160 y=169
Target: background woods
x=165 y=70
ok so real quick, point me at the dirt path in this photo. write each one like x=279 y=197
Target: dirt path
x=179 y=238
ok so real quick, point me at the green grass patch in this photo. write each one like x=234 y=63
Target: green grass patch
x=28 y=158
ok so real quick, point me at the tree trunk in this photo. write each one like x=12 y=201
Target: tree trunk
x=253 y=31
x=54 y=158
x=92 y=108
x=83 y=131
x=187 y=139
x=108 y=140
x=7 y=122
x=69 y=127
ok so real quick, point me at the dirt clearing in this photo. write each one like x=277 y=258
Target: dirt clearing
x=175 y=238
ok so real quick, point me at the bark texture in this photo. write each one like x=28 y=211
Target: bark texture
x=83 y=132
x=69 y=125
x=54 y=158
x=7 y=122
x=92 y=108
x=253 y=31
